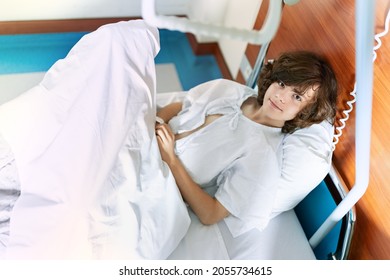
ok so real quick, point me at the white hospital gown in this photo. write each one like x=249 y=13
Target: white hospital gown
x=233 y=157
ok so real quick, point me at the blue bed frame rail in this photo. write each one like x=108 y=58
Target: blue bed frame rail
x=320 y=203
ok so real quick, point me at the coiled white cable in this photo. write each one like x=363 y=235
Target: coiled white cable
x=343 y=121
x=383 y=33
x=346 y=112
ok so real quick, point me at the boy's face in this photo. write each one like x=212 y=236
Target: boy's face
x=282 y=103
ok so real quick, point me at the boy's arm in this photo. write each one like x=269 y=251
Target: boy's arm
x=208 y=209
x=168 y=112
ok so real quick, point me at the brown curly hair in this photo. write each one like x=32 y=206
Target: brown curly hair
x=303 y=70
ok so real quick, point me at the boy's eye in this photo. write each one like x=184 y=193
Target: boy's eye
x=281 y=84
x=297 y=97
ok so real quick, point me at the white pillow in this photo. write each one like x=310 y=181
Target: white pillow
x=306 y=157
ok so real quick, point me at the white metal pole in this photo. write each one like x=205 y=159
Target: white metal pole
x=182 y=24
x=365 y=20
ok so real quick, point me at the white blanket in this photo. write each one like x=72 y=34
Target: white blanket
x=93 y=184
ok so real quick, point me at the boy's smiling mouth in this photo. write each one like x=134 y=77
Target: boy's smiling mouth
x=273 y=104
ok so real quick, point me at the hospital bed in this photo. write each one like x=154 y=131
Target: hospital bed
x=343 y=214
x=63 y=215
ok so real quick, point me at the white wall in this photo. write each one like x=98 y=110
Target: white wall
x=230 y=13
x=240 y=14
x=206 y=11
x=11 y=10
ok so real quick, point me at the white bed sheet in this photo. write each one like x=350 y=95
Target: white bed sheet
x=93 y=185
x=282 y=239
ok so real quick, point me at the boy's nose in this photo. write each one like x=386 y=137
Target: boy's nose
x=280 y=96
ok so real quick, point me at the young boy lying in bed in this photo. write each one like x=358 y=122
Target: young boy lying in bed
x=81 y=150
x=233 y=134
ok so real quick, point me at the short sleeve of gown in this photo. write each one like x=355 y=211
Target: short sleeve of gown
x=247 y=189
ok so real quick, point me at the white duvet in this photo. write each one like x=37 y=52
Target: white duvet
x=93 y=184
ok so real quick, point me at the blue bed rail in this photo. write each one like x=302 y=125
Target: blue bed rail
x=316 y=207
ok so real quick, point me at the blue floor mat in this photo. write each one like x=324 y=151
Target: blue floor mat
x=38 y=52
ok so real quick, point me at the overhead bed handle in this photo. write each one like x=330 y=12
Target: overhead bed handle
x=365 y=19
x=182 y=24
